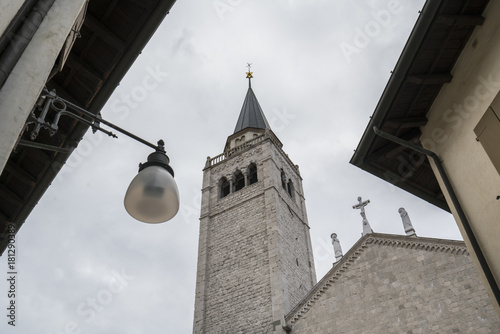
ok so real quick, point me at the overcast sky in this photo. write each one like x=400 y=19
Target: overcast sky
x=84 y=263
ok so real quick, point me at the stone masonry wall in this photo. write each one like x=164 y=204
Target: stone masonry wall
x=294 y=256
x=391 y=289
x=250 y=243
x=238 y=280
x=293 y=259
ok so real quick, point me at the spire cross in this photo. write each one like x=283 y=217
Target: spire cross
x=249 y=75
x=361 y=205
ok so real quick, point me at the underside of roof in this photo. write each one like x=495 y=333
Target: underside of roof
x=112 y=36
x=425 y=65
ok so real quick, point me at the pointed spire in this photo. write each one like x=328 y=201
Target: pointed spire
x=251 y=115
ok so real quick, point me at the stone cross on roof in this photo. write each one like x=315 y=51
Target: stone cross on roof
x=361 y=205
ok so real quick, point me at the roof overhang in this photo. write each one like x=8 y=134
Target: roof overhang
x=425 y=65
x=113 y=35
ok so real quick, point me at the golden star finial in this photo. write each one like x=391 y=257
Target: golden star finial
x=249 y=73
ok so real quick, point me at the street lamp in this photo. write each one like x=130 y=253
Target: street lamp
x=152 y=196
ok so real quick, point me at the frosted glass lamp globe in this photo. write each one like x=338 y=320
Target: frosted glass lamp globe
x=152 y=196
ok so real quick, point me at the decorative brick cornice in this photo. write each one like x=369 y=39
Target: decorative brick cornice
x=427 y=244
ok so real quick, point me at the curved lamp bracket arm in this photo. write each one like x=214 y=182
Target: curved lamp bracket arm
x=49 y=100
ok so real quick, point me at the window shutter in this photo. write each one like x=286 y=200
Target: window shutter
x=488 y=134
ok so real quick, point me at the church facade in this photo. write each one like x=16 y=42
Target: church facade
x=398 y=284
x=256 y=269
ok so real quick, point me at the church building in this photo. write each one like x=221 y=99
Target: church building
x=255 y=261
x=436 y=127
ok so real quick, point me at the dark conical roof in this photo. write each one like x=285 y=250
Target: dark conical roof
x=251 y=115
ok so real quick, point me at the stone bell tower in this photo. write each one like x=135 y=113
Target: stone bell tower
x=255 y=258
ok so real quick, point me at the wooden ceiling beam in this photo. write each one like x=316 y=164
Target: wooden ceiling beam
x=143 y=3
x=110 y=9
x=69 y=77
x=391 y=149
x=460 y=20
x=88 y=45
x=4 y=221
x=61 y=91
x=35 y=155
x=7 y=195
x=104 y=33
x=76 y=63
x=20 y=173
x=430 y=79
x=408 y=180
x=403 y=123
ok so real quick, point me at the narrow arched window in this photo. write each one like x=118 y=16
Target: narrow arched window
x=283 y=179
x=290 y=187
x=252 y=174
x=239 y=181
x=224 y=187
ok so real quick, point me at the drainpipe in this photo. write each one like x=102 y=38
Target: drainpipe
x=465 y=222
x=21 y=38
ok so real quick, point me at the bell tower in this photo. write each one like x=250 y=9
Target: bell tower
x=255 y=258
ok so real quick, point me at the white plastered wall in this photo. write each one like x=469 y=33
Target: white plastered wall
x=8 y=10
x=450 y=134
x=26 y=81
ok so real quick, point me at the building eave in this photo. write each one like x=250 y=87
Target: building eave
x=92 y=98
x=414 y=85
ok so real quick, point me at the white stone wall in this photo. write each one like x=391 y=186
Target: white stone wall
x=25 y=83
x=255 y=259
x=8 y=9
